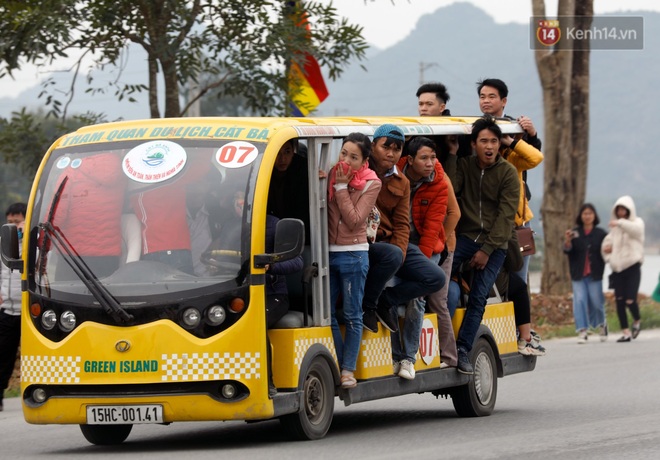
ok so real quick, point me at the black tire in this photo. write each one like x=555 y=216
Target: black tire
x=314 y=418
x=477 y=398
x=106 y=435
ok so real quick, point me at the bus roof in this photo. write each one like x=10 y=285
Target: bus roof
x=264 y=128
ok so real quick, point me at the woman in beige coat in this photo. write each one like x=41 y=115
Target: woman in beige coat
x=623 y=249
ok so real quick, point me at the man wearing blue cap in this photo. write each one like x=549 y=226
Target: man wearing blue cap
x=391 y=254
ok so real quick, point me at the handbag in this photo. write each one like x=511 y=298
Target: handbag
x=525 y=237
x=373 y=220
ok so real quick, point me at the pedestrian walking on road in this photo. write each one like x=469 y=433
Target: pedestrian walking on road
x=623 y=249
x=582 y=244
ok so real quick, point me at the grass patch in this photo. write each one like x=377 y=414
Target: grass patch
x=556 y=318
x=12 y=392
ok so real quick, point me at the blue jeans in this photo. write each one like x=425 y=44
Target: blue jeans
x=348 y=272
x=384 y=261
x=482 y=282
x=453 y=297
x=588 y=303
x=405 y=342
x=419 y=277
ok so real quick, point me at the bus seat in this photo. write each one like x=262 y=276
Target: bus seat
x=294 y=282
x=292 y=320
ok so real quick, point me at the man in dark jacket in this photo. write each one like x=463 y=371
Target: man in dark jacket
x=493 y=94
x=488 y=192
x=392 y=254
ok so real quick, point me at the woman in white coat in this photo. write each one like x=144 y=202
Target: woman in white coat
x=623 y=249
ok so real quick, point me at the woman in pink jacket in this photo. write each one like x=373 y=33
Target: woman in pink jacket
x=352 y=192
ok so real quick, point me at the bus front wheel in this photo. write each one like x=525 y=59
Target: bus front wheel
x=477 y=398
x=313 y=420
x=106 y=435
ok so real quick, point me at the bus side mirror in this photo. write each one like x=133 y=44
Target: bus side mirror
x=289 y=243
x=9 y=253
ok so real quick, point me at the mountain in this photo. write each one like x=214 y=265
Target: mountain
x=459 y=45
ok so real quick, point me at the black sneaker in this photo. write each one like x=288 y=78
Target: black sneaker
x=369 y=320
x=464 y=365
x=388 y=318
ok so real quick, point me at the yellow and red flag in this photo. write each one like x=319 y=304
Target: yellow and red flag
x=306 y=84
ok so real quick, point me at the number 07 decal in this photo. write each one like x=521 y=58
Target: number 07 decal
x=236 y=154
x=428 y=341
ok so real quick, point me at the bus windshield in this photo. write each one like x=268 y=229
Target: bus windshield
x=149 y=218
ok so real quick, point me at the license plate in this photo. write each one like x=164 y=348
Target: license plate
x=121 y=415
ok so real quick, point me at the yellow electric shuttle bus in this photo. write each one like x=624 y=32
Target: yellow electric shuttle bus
x=119 y=329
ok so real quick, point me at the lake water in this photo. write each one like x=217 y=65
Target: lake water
x=650 y=272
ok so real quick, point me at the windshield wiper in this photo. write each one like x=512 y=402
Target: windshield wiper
x=79 y=267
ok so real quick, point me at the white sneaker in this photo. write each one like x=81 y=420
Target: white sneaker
x=407 y=370
x=603 y=332
x=531 y=348
x=396 y=367
x=582 y=336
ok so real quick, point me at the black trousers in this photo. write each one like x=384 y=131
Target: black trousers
x=10 y=337
x=626 y=287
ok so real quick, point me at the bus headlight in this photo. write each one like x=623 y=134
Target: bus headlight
x=191 y=317
x=48 y=319
x=39 y=395
x=216 y=315
x=228 y=390
x=68 y=321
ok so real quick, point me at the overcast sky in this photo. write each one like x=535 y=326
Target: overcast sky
x=385 y=23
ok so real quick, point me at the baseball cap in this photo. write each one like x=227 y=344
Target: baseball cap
x=391 y=131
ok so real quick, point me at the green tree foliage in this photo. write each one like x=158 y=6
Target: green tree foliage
x=25 y=138
x=245 y=45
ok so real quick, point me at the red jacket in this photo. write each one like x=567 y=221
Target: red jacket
x=428 y=208
x=90 y=207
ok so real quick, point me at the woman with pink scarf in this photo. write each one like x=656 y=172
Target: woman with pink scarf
x=352 y=192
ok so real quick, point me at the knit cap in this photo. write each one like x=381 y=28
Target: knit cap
x=391 y=131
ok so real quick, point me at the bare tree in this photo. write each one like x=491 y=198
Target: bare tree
x=564 y=74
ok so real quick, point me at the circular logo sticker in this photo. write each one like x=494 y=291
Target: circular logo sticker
x=236 y=154
x=154 y=161
x=428 y=342
x=63 y=162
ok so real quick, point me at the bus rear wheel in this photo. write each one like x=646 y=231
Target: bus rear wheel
x=106 y=435
x=477 y=398
x=313 y=420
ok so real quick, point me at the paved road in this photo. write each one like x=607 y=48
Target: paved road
x=595 y=401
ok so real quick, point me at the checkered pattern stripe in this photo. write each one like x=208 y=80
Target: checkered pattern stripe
x=210 y=366
x=302 y=345
x=50 y=369
x=377 y=352
x=503 y=328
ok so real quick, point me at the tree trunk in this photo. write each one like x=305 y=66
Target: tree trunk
x=172 y=103
x=564 y=75
x=153 y=87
